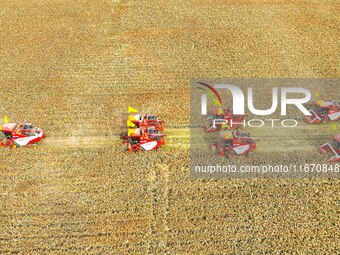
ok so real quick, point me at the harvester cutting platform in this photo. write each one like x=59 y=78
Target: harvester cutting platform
x=143 y=132
x=333 y=150
x=20 y=135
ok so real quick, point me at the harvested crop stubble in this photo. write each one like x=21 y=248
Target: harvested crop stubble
x=72 y=68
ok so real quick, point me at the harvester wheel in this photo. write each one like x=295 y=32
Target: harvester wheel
x=128 y=147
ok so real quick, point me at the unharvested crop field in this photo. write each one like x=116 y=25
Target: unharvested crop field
x=73 y=67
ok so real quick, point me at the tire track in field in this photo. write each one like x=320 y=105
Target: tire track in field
x=182 y=136
x=159 y=210
x=304 y=137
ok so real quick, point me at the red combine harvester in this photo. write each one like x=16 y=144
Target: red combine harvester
x=218 y=122
x=144 y=138
x=233 y=143
x=21 y=135
x=334 y=150
x=143 y=132
x=324 y=111
x=146 y=120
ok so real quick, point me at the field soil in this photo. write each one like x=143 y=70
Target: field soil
x=73 y=67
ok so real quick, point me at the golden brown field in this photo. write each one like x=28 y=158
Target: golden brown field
x=73 y=67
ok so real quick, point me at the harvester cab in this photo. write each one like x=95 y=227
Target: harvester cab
x=153 y=120
x=333 y=150
x=154 y=134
